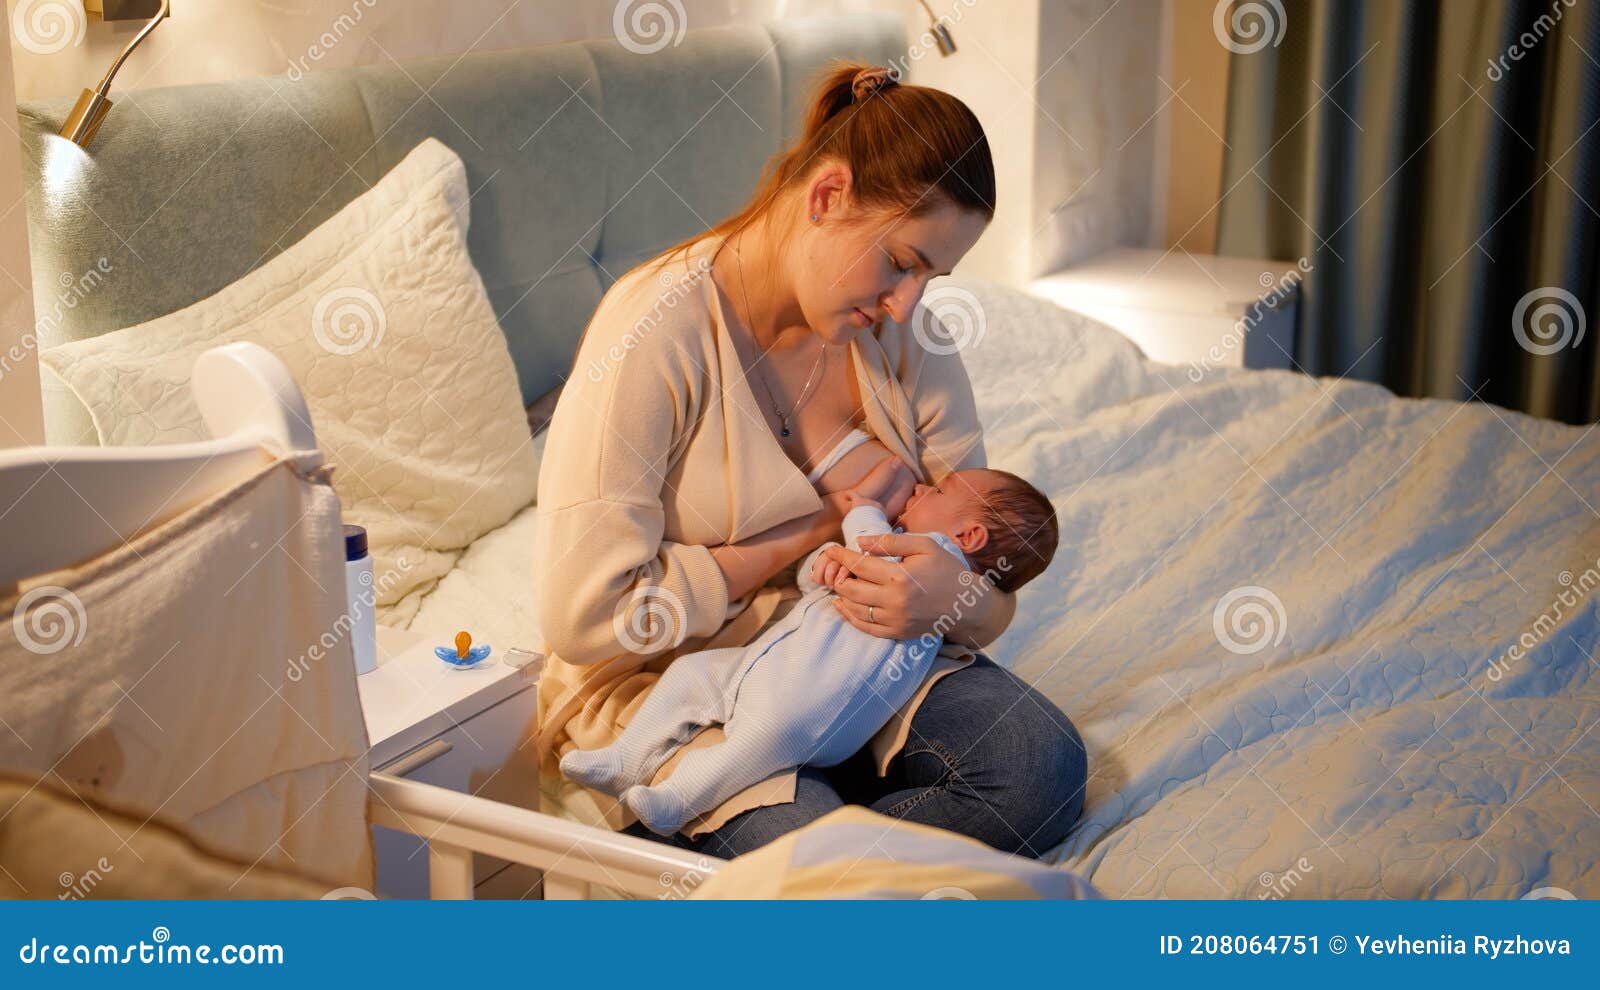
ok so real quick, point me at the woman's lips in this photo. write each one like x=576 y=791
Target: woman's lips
x=862 y=317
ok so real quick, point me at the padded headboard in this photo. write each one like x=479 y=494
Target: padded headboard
x=584 y=159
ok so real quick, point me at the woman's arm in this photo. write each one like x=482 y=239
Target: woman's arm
x=606 y=577
x=927 y=593
x=746 y=566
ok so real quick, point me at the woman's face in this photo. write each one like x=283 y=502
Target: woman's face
x=853 y=274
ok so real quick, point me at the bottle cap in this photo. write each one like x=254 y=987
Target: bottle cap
x=355 y=542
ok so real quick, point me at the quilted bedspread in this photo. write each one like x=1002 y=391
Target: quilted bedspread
x=1320 y=641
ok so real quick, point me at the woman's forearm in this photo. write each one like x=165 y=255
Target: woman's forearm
x=983 y=622
x=747 y=565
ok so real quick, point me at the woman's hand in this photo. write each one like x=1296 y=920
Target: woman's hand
x=927 y=592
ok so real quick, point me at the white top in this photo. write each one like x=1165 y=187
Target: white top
x=855 y=438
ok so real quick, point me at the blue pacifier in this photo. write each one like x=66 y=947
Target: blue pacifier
x=463 y=654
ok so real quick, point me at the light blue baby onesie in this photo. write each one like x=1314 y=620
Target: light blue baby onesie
x=810 y=691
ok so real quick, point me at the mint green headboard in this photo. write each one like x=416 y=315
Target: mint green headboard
x=584 y=159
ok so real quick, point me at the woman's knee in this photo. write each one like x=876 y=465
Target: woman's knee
x=1061 y=773
x=750 y=830
x=1013 y=750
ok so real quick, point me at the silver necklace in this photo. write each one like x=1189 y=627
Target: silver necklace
x=805 y=390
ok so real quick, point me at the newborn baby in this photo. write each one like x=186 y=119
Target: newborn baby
x=813 y=689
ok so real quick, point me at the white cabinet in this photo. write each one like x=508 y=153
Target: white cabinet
x=458 y=729
x=1204 y=311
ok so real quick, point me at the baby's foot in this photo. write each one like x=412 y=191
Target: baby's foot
x=661 y=810
x=600 y=769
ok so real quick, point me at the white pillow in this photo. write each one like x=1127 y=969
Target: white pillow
x=386 y=326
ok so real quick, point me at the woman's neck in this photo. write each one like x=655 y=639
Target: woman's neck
x=765 y=295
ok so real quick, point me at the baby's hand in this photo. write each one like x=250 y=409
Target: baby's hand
x=826 y=573
x=855 y=500
x=891 y=481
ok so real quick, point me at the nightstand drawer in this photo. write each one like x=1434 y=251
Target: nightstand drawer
x=477 y=757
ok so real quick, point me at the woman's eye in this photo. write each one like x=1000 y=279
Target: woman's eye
x=898 y=267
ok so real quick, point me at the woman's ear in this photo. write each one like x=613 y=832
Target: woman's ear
x=829 y=192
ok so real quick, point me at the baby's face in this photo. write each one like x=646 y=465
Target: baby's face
x=949 y=507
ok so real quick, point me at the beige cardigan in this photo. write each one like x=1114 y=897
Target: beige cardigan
x=659 y=450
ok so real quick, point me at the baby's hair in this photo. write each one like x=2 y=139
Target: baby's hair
x=1023 y=533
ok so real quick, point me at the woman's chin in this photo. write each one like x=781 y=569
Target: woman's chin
x=840 y=333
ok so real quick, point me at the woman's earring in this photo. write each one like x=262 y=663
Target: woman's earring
x=813 y=218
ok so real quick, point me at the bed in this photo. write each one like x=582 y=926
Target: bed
x=1281 y=618
x=1319 y=641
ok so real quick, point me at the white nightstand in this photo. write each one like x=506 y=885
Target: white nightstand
x=1201 y=310
x=457 y=729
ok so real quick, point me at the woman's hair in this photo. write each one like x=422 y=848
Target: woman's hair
x=909 y=149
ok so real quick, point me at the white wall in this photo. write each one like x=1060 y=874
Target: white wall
x=21 y=421
x=211 y=40
x=1061 y=197
x=1097 y=129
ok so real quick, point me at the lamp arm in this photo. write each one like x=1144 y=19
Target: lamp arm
x=111 y=73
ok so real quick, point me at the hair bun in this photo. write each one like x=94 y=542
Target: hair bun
x=871 y=80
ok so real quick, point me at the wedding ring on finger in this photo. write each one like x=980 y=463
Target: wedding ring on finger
x=870 y=617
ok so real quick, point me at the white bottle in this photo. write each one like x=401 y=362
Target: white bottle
x=360 y=599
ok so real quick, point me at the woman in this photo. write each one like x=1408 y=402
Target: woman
x=674 y=497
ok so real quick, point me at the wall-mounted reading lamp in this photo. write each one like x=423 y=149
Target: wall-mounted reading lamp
x=83 y=123
x=941 y=32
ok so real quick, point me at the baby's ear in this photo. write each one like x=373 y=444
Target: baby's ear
x=972 y=536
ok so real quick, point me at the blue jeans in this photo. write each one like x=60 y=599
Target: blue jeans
x=987 y=756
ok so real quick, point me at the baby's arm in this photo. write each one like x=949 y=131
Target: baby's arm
x=865 y=519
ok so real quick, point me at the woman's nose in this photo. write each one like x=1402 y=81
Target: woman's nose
x=902 y=299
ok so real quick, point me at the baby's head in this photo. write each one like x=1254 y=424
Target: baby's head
x=1004 y=525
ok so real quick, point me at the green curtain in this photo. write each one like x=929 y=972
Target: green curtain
x=1437 y=166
